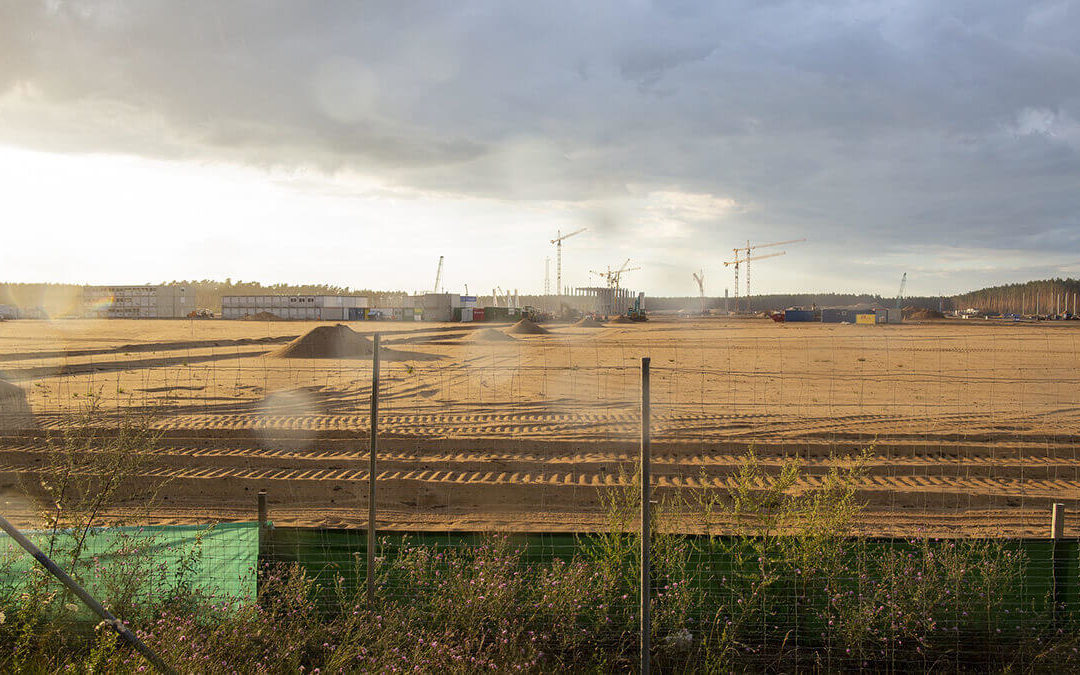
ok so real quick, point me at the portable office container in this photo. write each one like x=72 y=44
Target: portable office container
x=799 y=315
x=838 y=316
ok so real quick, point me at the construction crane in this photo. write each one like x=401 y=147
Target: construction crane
x=736 y=262
x=900 y=295
x=614 y=276
x=746 y=250
x=699 y=277
x=558 y=240
x=438 y=275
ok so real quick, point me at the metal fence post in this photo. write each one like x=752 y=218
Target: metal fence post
x=373 y=447
x=260 y=547
x=1059 y=568
x=72 y=585
x=646 y=624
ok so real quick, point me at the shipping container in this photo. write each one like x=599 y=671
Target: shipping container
x=838 y=315
x=799 y=315
x=867 y=318
x=477 y=313
x=466 y=314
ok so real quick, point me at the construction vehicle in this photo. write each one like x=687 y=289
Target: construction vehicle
x=637 y=311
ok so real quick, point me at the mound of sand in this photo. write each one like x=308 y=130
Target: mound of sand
x=262 y=316
x=917 y=313
x=327 y=342
x=588 y=322
x=621 y=319
x=15 y=413
x=489 y=335
x=526 y=327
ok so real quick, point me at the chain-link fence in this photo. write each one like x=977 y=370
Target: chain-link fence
x=825 y=495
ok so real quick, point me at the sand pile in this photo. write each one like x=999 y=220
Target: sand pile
x=588 y=322
x=262 y=316
x=15 y=413
x=526 y=327
x=327 y=342
x=917 y=313
x=489 y=335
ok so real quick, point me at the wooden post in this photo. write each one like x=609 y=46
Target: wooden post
x=646 y=623
x=261 y=510
x=373 y=448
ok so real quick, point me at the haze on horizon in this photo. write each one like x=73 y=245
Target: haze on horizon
x=143 y=141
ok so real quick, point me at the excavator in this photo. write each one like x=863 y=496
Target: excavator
x=637 y=311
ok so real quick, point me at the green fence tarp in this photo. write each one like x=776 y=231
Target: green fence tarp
x=215 y=560
x=339 y=555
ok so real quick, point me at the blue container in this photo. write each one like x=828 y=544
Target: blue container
x=791 y=315
x=838 y=315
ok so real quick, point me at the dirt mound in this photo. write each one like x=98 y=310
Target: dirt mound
x=917 y=313
x=526 y=327
x=588 y=322
x=327 y=342
x=15 y=411
x=621 y=319
x=262 y=316
x=489 y=335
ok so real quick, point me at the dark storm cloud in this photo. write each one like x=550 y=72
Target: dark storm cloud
x=873 y=123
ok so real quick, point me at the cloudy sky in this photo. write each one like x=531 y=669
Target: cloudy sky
x=354 y=143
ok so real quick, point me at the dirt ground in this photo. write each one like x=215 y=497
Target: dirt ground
x=972 y=427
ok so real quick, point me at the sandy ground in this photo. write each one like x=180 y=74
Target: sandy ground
x=973 y=427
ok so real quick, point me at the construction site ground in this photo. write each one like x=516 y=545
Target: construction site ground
x=970 y=427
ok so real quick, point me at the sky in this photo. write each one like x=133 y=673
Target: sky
x=354 y=143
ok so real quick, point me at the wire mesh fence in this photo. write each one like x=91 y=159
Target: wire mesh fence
x=833 y=496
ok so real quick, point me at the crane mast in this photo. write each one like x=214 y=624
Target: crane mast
x=438 y=275
x=558 y=240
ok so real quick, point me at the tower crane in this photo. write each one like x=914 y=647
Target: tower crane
x=699 y=277
x=558 y=240
x=746 y=250
x=746 y=260
x=438 y=275
x=614 y=276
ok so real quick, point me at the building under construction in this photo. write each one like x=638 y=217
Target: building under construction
x=600 y=299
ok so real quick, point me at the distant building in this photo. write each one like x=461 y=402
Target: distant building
x=441 y=306
x=137 y=302
x=299 y=307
